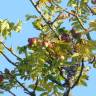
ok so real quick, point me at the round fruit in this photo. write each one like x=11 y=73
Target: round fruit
x=32 y=41
x=45 y=43
x=1 y=78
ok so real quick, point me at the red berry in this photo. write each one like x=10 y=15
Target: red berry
x=1 y=78
x=45 y=43
x=32 y=41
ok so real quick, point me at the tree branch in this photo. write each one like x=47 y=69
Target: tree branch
x=56 y=18
x=35 y=6
x=27 y=91
x=10 y=50
x=8 y=59
x=36 y=84
x=10 y=92
x=91 y=10
x=23 y=87
x=75 y=15
x=80 y=74
x=67 y=92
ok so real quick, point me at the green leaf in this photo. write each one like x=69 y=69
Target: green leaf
x=18 y=26
x=28 y=17
x=38 y=88
x=44 y=94
x=93 y=25
x=75 y=55
x=60 y=87
x=4 y=26
x=88 y=36
x=37 y=24
x=94 y=64
x=82 y=82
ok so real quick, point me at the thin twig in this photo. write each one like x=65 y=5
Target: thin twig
x=9 y=50
x=56 y=18
x=75 y=15
x=36 y=84
x=8 y=59
x=80 y=22
x=28 y=92
x=91 y=10
x=10 y=92
x=23 y=87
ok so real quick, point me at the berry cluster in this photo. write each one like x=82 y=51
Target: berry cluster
x=70 y=70
x=35 y=41
x=65 y=37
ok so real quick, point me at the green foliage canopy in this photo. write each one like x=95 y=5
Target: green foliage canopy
x=55 y=59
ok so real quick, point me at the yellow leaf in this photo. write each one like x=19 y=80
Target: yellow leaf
x=43 y=1
x=75 y=54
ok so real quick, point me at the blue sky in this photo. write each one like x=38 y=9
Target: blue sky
x=17 y=9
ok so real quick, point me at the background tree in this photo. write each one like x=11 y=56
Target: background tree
x=56 y=60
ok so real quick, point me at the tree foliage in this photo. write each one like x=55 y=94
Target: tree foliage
x=55 y=60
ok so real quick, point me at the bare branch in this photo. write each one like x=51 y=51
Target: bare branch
x=8 y=59
x=67 y=92
x=10 y=50
x=10 y=92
